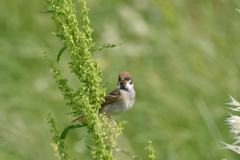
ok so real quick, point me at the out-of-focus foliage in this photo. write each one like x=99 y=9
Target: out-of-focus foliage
x=183 y=57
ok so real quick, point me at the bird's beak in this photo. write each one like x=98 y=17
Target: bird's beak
x=123 y=81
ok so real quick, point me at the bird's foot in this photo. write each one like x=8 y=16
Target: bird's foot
x=112 y=120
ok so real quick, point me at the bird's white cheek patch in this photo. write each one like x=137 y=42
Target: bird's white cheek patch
x=128 y=85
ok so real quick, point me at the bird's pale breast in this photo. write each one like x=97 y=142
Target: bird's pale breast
x=124 y=103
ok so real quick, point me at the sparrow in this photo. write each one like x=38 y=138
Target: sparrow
x=119 y=100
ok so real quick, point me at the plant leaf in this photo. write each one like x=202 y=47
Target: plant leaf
x=69 y=113
x=86 y=82
x=89 y=147
x=105 y=46
x=59 y=35
x=102 y=86
x=68 y=128
x=46 y=11
x=88 y=133
x=60 y=52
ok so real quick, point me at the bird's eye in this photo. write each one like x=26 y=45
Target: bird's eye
x=127 y=78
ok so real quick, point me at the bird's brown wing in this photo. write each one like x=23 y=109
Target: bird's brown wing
x=111 y=97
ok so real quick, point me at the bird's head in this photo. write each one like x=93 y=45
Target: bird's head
x=124 y=81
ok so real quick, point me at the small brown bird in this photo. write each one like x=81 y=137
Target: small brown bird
x=119 y=100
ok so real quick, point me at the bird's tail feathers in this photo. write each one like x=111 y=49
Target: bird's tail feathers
x=79 y=118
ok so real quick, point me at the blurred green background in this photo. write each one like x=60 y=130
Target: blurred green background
x=183 y=57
